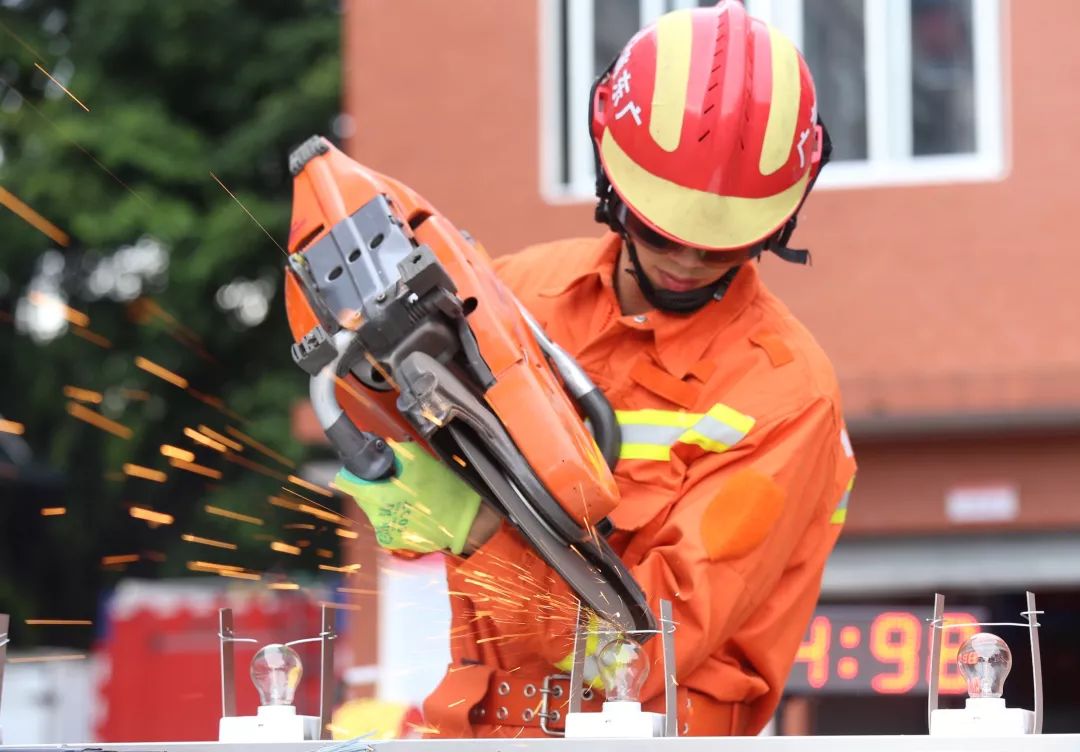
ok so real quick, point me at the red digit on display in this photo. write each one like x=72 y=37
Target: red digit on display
x=950 y=681
x=814 y=652
x=895 y=639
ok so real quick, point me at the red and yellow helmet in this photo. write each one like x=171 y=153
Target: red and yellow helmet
x=706 y=128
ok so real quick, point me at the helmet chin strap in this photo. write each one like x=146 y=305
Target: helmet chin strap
x=671 y=301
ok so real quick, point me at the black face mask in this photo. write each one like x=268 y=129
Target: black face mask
x=684 y=302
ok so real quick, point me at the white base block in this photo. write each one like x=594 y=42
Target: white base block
x=274 y=723
x=982 y=716
x=618 y=720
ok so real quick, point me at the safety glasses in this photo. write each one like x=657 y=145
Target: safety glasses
x=663 y=245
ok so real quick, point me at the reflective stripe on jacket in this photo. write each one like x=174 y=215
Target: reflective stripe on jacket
x=733 y=477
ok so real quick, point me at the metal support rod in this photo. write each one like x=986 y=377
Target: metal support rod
x=1036 y=661
x=667 y=642
x=326 y=671
x=936 y=626
x=4 y=621
x=577 y=666
x=228 y=662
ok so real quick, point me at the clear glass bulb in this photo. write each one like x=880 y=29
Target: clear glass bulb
x=984 y=660
x=623 y=668
x=275 y=671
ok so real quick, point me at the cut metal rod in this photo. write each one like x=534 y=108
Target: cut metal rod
x=1036 y=660
x=228 y=662
x=667 y=642
x=936 y=626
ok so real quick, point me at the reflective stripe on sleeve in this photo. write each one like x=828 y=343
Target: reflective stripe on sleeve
x=650 y=434
x=839 y=516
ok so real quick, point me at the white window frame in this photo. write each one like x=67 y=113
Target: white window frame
x=888 y=98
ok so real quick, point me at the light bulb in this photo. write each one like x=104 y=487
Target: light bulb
x=275 y=672
x=623 y=668
x=984 y=660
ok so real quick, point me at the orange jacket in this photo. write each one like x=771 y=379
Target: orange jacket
x=733 y=477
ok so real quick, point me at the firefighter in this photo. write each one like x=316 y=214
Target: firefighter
x=735 y=466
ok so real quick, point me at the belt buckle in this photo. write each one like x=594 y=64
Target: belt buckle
x=547 y=691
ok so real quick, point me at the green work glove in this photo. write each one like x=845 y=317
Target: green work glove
x=424 y=508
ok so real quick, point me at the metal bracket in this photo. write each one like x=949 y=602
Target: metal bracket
x=667 y=643
x=577 y=666
x=4 y=621
x=935 y=656
x=326 y=638
x=326 y=671
x=667 y=646
x=937 y=624
x=227 y=638
x=1036 y=660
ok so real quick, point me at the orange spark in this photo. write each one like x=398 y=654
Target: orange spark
x=346 y=533
x=401 y=449
x=135 y=394
x=236 y=447
x=347 y=569
x=357 y=591
x=119 y=559
x=341 y=606
x=157 y=518
x=241 y=575
x=297 y=480
x=48 y=658
x=284 y=503
x=53 y=511
x=177 y=453
x=260 y=447
x=38 y=298
x=62 y=87
x=298 y=526
x=198 y=438
x=98 y=420
x=10 y=426
x=82 y=395
x=209 y=566
x=233 y=515
x=381 y=371
x=252 y=216
x=92 y=337
x=146 y=473
x=236 y=459
x=60 y=622
x=324 y=553
x=161 y=372
x=32 y=218
x=459 y=461
x=207 y=541
x=285 y=548
x=192 y=467
x=284 y=586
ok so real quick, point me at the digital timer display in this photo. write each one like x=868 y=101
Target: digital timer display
x=877 y=650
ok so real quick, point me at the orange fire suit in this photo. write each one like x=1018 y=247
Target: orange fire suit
x=733 y=477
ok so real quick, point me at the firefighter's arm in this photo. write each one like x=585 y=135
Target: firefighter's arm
x=718 y=556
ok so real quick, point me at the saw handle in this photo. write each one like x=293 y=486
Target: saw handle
x=605 y=427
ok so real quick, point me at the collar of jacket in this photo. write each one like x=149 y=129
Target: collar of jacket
x=681 y=339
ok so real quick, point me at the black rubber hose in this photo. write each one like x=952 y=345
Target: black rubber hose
x=605 y=427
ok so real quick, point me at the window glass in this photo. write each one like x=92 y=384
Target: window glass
x=614 y=22
x=834 y=43
x=942 y=77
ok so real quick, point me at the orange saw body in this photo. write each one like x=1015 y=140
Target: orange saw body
x=407 y=332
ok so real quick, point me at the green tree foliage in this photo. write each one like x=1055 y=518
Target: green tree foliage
x=177 y=93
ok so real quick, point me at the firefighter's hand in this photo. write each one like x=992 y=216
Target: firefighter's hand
x=423 y=508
